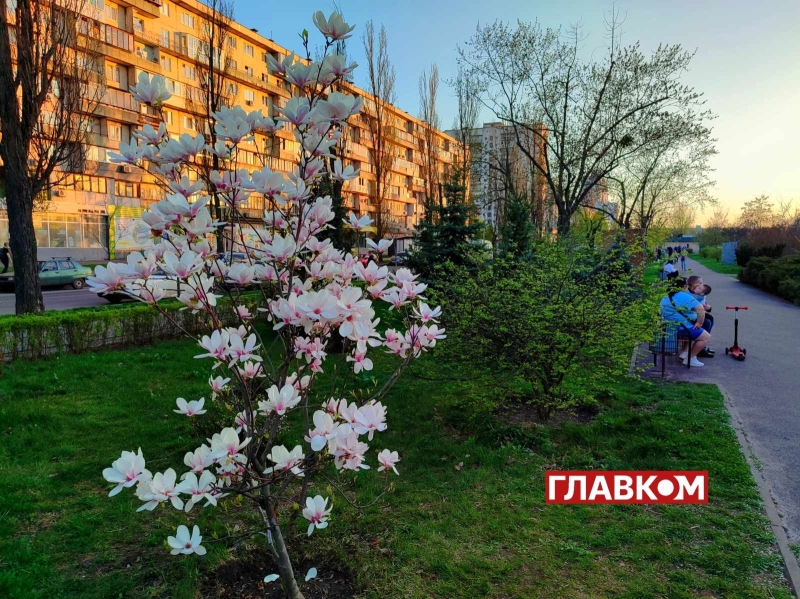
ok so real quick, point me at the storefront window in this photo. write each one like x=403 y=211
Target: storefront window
x=54 y=230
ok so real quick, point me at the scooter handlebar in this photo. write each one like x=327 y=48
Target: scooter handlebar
x=736 y=307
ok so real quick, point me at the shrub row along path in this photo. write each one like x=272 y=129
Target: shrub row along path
x=57 y=299
x=764 y=389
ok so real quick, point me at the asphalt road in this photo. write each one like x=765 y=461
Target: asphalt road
x=56 y=299
x=764 y=389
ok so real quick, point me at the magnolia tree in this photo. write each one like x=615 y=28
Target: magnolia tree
x=316 y=299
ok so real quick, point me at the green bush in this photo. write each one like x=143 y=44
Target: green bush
x=557 y=326
x=713 y=252
x=779 y=276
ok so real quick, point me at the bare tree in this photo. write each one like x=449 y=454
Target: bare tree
x=429 y=149
x=380 y=121
x=673 y=169
x=50 y=82
x=466 y=119
x=596 y=113
x=213 y=67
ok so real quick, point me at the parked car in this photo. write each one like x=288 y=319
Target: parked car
x=398 y=259
x=228 y=258
x=58 y=272
x=168 y=283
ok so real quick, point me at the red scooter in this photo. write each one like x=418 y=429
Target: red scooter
x=737 y=352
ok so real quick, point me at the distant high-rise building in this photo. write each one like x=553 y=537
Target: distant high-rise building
x=500 y=168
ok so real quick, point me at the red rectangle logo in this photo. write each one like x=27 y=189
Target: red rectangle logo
x=636 y=486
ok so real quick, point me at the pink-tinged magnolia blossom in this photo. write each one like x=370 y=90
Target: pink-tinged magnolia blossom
x=243 y=351
x=232 y=124
x=316 y=512
x=426 y=314
x=184 y=544
x=218 y=384
x=110 y=278
x=198 y=489
x=324 y=430
x=152 y=91
x=280 y=400
x=349 y=452
x=297 y=111
x=286 y=460
x=199 y=459
x=216 y=346
x=188 y=264
x=126 y=471
x=370 y=418
x=381 y=246
x=160 y=489
x=357 y=223
x=333 y=27
x=190 y=408
x=279 y=68
x=387 y=460
x=339 y=107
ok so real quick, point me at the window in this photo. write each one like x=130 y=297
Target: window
x=112 y=12
x=114 y=73
x=187 y=19
x=114 y=132
x=49 y=266
x=189 y=123
x=232 y=42
x=248 y=49
x=166 y=63
x=65 y=265
x=233 y=64
x=138 y=24
x=249 y=97
x=164 y=9
x=409 y=154
x=265 y=100
x=189 y=72
x=168 y=117
x=85 y=183
x=164 y=38
x=126 y=189
x=233 y=89
x=249 y=70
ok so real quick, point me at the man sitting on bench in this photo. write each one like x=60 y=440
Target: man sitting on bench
x=681 y=307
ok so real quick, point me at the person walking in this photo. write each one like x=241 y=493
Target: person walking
x=684 y=253
x=5 y=257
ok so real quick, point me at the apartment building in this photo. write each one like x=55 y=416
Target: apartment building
x=95 y=211
x=500 y=167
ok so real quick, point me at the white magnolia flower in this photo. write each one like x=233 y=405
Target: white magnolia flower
x=316 y=513
x=152 y=91
x=190 y=408
x=126 y=471
x=183 y=543
x=333 y=27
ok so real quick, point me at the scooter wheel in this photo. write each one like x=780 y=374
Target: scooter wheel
x=727 y=349
x=744 y=351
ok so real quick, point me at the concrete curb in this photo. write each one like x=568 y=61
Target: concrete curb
x=790 y=565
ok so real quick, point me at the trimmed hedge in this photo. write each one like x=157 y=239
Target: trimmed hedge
x=76 y=331
x=745 y=252
x=779 y=276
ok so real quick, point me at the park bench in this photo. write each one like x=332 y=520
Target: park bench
x=666 y=343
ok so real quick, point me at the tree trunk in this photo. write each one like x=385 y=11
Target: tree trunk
x=281 y=555
x=19 y=198
x=564 y=222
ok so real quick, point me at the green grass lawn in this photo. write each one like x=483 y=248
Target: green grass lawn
x=466 y=518
x=716 y=265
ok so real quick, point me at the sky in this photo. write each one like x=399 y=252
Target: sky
x=747 y=64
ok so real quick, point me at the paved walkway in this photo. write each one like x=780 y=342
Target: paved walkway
x=764 y=389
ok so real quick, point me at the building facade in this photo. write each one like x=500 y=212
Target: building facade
x=94 y=210
x=500 y=168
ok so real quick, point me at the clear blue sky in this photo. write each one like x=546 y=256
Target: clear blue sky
x=747 y=63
